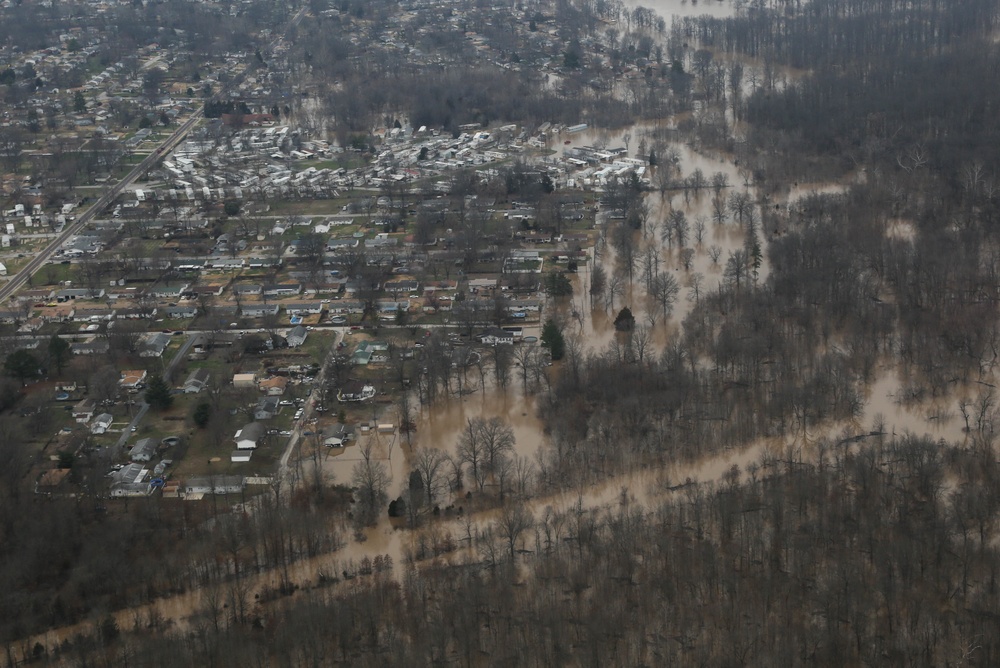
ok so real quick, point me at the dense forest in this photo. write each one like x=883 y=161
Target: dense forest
x=852 y=555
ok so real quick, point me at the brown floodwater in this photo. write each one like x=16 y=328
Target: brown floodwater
x=440 y=428
x=669 y=9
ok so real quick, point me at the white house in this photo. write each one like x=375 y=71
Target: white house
x=144 y=450
x=196 y=381
x=101 y=423
x=218 y=484
x=84 y=410
x=247 y=437
x=338 y=436
x=495 y=336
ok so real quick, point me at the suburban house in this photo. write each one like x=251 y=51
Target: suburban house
x=260 y=262
x=346 y=306
x=214 y=484
x=131 y=473
x=282 y=290
x=389 y=308
x=259 y=310
x=355 y=390
x=367 y=350
x=247 y=437
x=341 y=243
x=267 y=408
x=207 y=289
x=94 y=314
x=243 y=289
x=482 y=284
x=304 y=308
x=437 y=287
x=402 y=286
x=84 y=410
x=144 y=450
x=121 y=490
x=69 y=294
x=493 y=336
x=224 y=263
x=181 y=312
x=154 y=345
x=95 y=347
x=297 y=336
x=101 y=423
x=200 y=345
x=137 y=312
x=196 y=381
x=274 y=386
x=167 y=291
x=133 y=379
x=338 y=436
x=244 y=380
x=521 y=305
x=129 y=481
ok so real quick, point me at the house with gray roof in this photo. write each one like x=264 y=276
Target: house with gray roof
x=196 y=381
x=297 y=336
x=247 y=437
x=144 y=450
x=154 y=344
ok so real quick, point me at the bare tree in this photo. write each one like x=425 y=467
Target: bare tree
x=431 y=464
x=514 y=520
x=370 y=478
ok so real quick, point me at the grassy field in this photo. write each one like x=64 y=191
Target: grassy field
x=315 y=207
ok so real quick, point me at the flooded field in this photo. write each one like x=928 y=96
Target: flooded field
x=680 y=8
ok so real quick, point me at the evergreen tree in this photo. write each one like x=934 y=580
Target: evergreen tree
x=158 y=394
x=58 y=352
x=558 y=285
x=552 y=338
x=625 y=322
x=202 y=414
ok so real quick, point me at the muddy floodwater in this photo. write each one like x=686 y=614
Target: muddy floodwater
x=889 y=404
x=440 y=428
x=669 y=9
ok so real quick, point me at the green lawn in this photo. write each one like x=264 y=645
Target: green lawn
x=54 y=274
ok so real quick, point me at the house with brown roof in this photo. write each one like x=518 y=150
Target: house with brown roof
x=274 y=386
x=133 y=379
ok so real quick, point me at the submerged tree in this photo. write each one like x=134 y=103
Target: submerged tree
x=625 y=321
x=552 y=338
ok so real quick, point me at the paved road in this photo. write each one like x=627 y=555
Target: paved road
x=307 y=412
x=168 y=373
x=111 y=193
x=106 y=198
